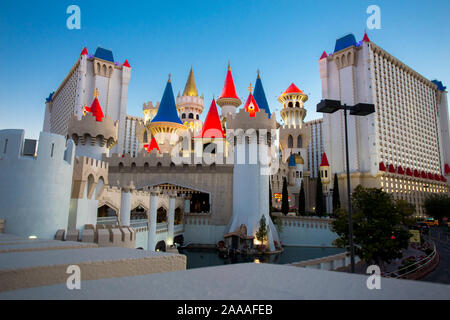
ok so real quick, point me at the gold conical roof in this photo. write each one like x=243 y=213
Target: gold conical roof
x=190 y=89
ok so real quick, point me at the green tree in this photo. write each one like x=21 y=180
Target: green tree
x=320 y=206
x=261 y=234
x=301 y=200
x=336 y=197
x=285 y=198
x=377 y=227
x=437 y=206
x=406 y=210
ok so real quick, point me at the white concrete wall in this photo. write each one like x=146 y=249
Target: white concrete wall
x=35 y=191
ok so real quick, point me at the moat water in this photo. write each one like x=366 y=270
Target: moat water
x=198 y=258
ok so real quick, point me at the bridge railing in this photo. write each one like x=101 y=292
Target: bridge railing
x=306 y=222
x=139 y=223
x=107 y=220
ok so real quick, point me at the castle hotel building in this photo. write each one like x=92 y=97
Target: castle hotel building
x=403 y=147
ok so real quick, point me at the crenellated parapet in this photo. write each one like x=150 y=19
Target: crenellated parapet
x=150 y=161
x=88 y=171
x=111 y=236
x=243 y=120
x=102 y=133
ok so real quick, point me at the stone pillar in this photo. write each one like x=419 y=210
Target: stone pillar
x=153 y=207
x=125 y=206
x=171 y=219
x=187 y=203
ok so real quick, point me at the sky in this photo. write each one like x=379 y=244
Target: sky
x=283 y=39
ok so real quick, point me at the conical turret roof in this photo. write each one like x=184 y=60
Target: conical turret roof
x=152 y=145
x=190 y=89
x=167 y=111
x=260 y=96
x=324 y=162
x=251 y=106
x=212 y=128
x=229 y=91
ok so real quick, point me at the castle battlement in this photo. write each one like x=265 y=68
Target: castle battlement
x=104 y=236
x=104 y=132
x=154 y=159
x=50 y=147
x=243 y=120
x=88 y=170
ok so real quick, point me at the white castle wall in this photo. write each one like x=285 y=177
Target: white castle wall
x=310 y=232
x=35 y=190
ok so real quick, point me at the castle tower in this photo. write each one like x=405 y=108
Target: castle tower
x=190 y=106
x=149 y=111
x=325 y=177
x=94 y=134
x=166 y=126
x=296 y=163
x=294 y=137
x=228 y=100
x=252 y=162
x=35 y=184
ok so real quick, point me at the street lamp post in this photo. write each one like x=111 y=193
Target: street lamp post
x=360 y=109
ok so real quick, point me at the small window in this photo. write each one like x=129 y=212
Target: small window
x=53 y=148
x=191 y=116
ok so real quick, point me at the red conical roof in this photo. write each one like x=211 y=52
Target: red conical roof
x=251 y=106
x=96 y=110
x=293 y=89
x=324 y=55
x=152 y=145
x=212 y=128
x=84 y=52
x=126 y=64
x=324 y=162
x=365 y=38
x=229 y=91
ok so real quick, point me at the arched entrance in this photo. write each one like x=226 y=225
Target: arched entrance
x=138 y=213
x=161 y=215
x=160 y=246
x=106 y=215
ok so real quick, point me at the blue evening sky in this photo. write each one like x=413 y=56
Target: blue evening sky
x=284 y=39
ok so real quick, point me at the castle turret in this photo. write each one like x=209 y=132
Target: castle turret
x=166 y=126
x=94 y=134
x=252 y=135
x=294 y=137
x=228 y=100
x=149 y=111
x=293 y=112
x=325 y=171
x=190 y=106
x=260 y=95
x=296 y=163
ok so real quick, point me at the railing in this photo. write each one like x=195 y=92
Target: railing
x=107 y=220
x=326 y=263
x=161 y=226
x=139 y=223
x=418 y=265
x=178 y=228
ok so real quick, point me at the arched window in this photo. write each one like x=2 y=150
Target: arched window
x=290 y=142
x=191 y=116
x=183 y=116
x=197 y=117
x=299 y=141
x=145 y=136
x=297 y=104
x=290 y=104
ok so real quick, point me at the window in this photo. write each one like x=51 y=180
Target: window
x=299 y=141
x=290 y=142
x=191 y=116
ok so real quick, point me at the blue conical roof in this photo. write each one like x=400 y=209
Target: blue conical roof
x=291 y=161
x=260 y=96
x=167 y=111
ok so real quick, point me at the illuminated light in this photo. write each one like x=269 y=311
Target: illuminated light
x=32 y=237
x=257 y=261
x=157 y=250
x=393 y=237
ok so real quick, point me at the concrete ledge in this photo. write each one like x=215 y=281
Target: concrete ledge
x=240 y=282
x=88 y=235
x=20 y=270
x=43 y=245
x=72 y=235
